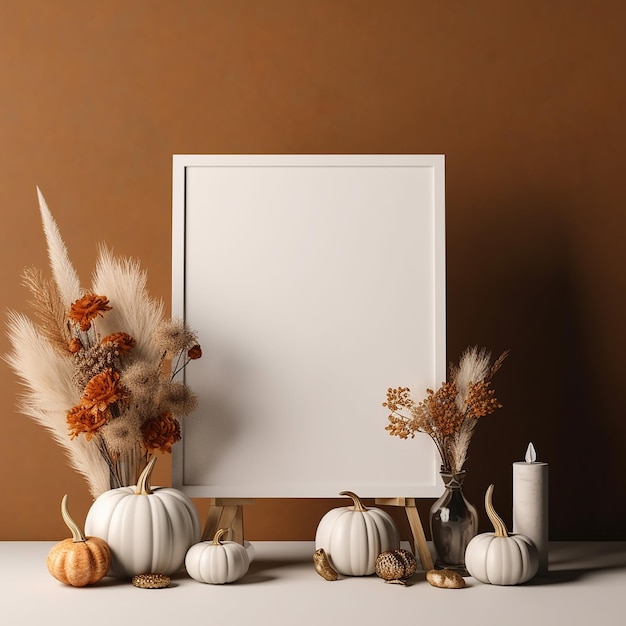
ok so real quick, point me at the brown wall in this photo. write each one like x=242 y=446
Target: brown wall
x=526 y=99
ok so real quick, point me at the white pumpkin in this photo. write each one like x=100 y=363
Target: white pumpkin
x=499 y=558
x=217 y=562
x=149 y=530
x=353 y=537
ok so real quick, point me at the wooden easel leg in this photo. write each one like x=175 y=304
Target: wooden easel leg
x=417 y=530
x=226 y=513
x=419 y=538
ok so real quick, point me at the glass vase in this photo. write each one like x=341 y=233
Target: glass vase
x=125 y=468
x=453 y=523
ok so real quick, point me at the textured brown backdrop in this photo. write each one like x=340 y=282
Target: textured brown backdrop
x=526 y=99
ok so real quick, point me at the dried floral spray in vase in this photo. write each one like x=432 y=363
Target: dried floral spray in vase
x=450 y=414
x=99 y=366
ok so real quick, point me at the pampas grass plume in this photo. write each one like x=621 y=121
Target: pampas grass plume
x=63 y=271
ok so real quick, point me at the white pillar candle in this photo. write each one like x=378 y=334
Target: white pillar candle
x=530 y=503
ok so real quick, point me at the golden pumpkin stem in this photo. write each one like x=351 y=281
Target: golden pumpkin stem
x=143 y=482
x=218 y=535
x=358 y=505
x=498 y=525
x=77 y=533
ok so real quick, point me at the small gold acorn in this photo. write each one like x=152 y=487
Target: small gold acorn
x=396 y=566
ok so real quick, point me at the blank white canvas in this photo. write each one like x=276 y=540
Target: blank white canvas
x=315 y=282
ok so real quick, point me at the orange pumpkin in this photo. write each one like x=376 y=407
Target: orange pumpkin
x=81 y=560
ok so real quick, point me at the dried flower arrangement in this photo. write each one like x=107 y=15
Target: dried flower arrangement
x=450 y=414
x=99 y=371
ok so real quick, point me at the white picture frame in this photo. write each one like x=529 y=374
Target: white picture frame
x=315 y=282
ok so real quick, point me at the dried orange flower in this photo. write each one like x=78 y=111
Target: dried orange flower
x=81 y=420
x=481 y=400
x=102 y=391
x=195 y=352
x=160 y=433
x=124 y=343
x=74 y=345
x=400 y=425
x=397 y=398
x=439 y=408
x=87 y=308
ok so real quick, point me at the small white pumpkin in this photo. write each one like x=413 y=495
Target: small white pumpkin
x=148 y=529
x=217 y=562
x=499 y=558
x=354 y=536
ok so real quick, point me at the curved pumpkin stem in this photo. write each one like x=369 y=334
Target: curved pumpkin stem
x=77 y=533
x=143 y=482
x=218 y=535
x=498 y=525
x=358 y=505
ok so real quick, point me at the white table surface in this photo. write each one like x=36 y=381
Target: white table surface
x=586 y=585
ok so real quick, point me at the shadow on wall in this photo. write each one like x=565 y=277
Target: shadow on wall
x=512 y=285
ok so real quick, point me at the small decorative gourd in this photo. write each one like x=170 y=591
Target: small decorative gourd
x=353 y=537
x=149 y=529
x=322 y=566
x=499 y=558
x=217 y=562
x=396 y=566
x=81 y=560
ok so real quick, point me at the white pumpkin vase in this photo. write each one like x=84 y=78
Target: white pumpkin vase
x=354 y=536
x=148 y=529
x=500 y=558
